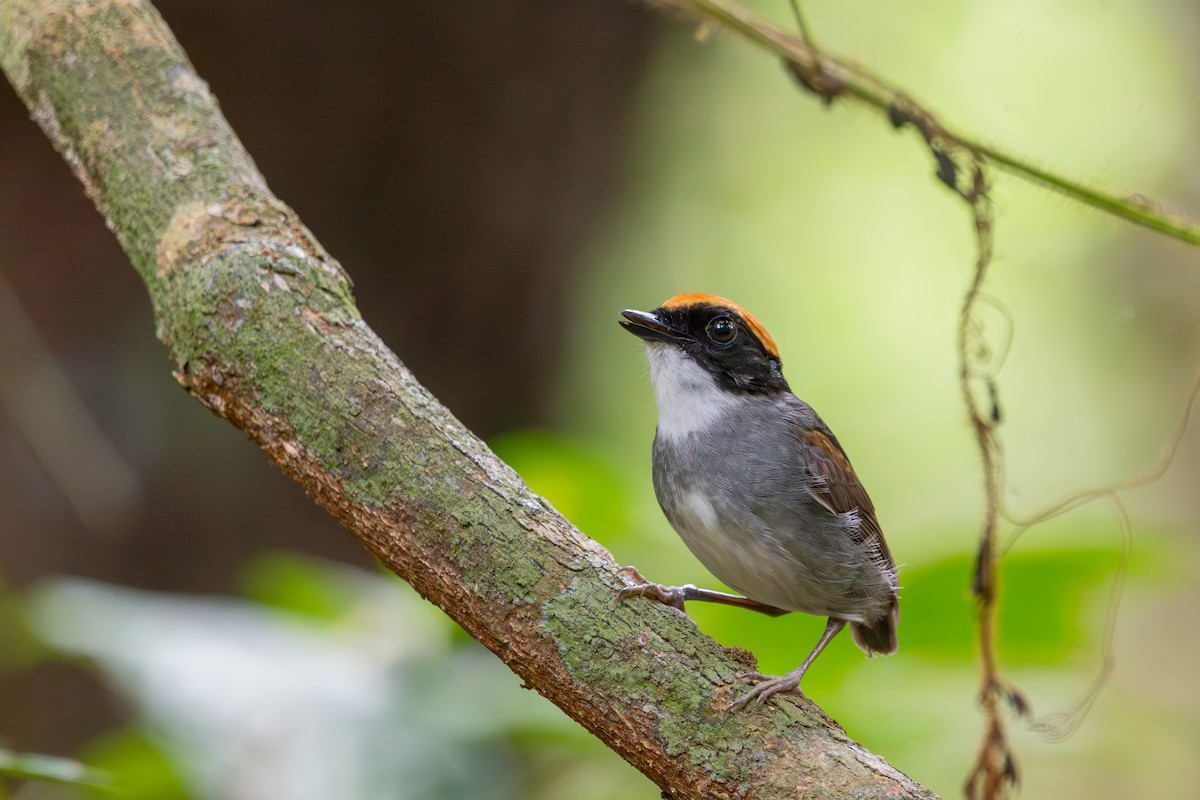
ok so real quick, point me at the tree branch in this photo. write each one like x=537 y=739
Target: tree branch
x=262 y=329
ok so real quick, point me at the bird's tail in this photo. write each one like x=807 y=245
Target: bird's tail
x=878 y=637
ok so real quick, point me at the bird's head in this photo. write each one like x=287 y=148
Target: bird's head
x=699 y=340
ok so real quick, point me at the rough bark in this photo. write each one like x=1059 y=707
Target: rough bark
x=262 y=329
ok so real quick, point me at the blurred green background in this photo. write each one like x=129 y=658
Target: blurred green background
x=501 y=178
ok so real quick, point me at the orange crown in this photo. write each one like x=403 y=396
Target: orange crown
x=756 y=327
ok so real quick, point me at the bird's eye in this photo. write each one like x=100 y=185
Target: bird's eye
x=722 y=330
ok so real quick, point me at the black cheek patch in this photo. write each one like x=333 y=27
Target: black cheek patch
x=747 y=369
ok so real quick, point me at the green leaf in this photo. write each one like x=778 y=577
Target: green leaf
x=301 y=585
x=32 y=766
x=141 y=770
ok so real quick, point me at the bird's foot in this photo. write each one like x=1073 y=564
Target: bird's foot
x=667 y=595
x=766 y=685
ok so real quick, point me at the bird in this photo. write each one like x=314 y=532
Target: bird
x=757 y=486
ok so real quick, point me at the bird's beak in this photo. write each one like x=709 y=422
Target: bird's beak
x=648 y=326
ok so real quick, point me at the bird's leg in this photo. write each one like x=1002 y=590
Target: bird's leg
x=676 y=596
x=769 y=685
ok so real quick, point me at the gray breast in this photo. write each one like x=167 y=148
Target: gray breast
x=738 y=495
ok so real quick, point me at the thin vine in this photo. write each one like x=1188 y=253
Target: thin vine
x=829 y=75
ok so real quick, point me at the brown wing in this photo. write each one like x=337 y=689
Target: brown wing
x=837 y=489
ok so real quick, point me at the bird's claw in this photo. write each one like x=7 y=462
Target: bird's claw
x=633 y=574
x=765 y=686
x=667 y=595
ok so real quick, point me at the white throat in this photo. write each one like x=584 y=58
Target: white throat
x=688 y=397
